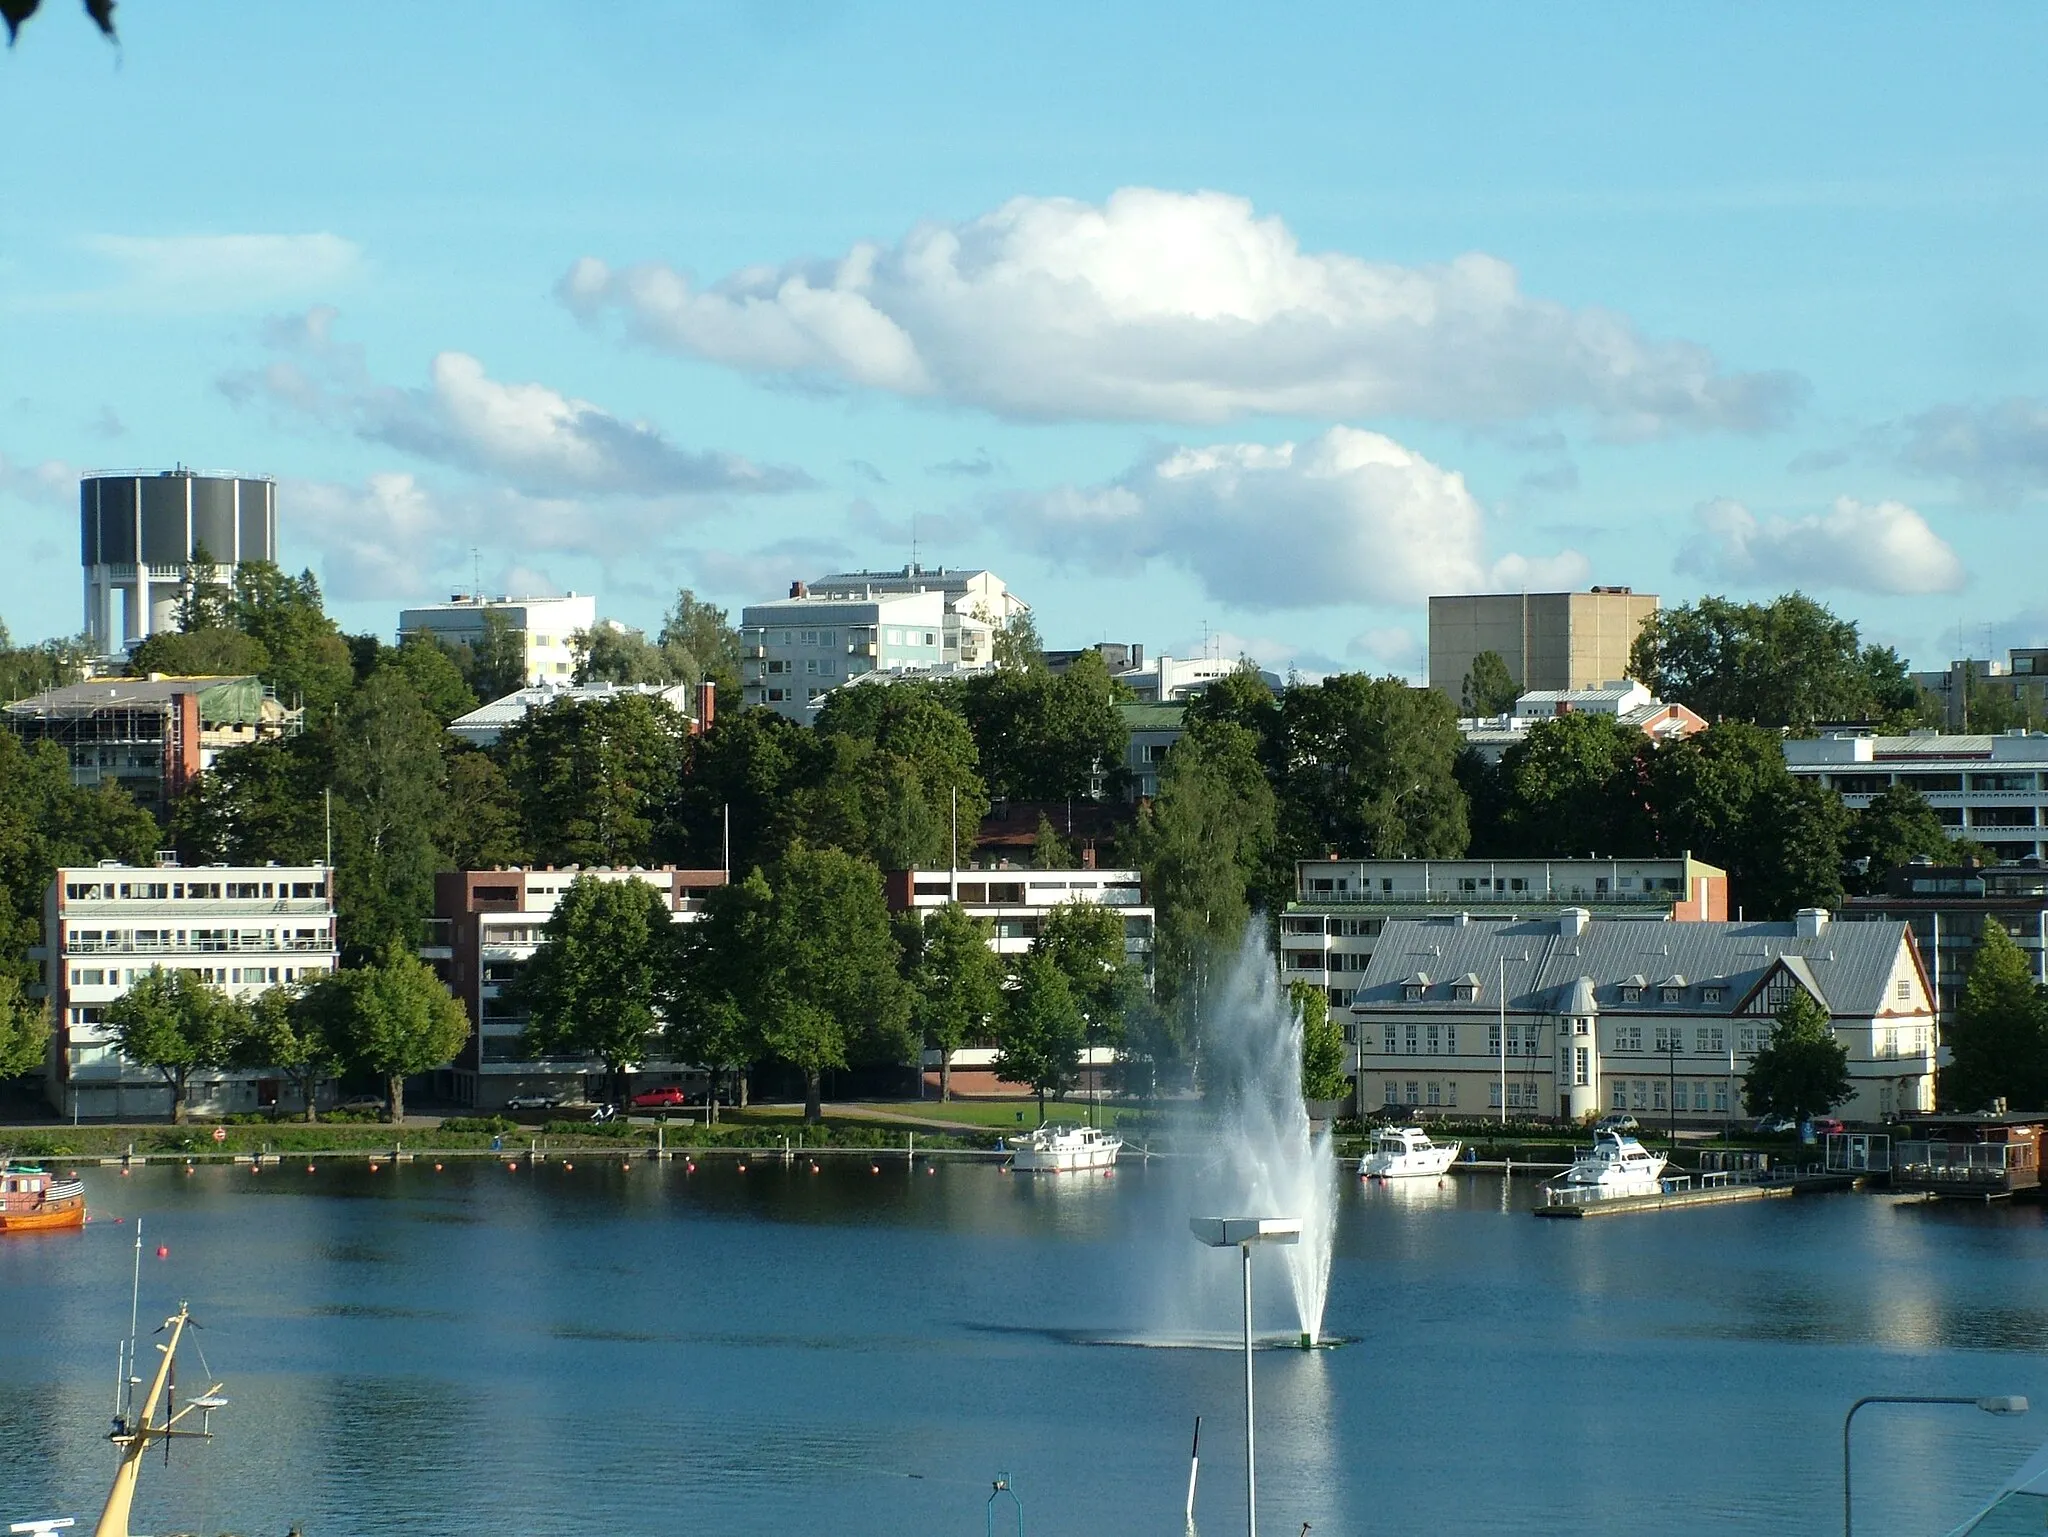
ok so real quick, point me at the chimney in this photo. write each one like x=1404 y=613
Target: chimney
x=1572 y=921
x=797 y=590
x=707 y=705
x=1810 y=922
x=1088 y=857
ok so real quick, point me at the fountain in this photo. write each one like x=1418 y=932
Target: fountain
x=1267 y=1156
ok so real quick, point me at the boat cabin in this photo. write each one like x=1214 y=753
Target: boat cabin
x=1976 y=1157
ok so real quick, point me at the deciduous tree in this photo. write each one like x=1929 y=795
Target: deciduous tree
x=1490 y=689
x=591 y=988
x=1804 y=1071
x=175 y=1023
x=1322 y=1044
x=394 y=1018
x=24 y=1030
x=283 y=1028
x=389 y=801
x=1897 y=825
x=956 y=984
x=1999 y=1041
x=597 y=778
x=700 y=643
x=1042 y=1032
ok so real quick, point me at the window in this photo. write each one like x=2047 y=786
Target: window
x=1414 y=1040
x=1710 y=995
x=1493 y=1096
x=1436 y=1093
x=1464 y=992
x=1699 y=1094
x=1414 y=1093
x=1412 y=992
x=1721 y=1097
x=930 y=639
x=1657 y=1094
x=1451 y=1039
x=1668 y=1038
x=1884 y=1100
x=1393 y=1092
x=1709 y=1038
x=1888 y=1043
x=1902 y=990
x=1628 y=1038
x=1754 y=1039
x=1451 y=1094
x=1619 y=1099
x=1390 y=1038
x=1671 y=995
x=895 y=637
x=1582 y=1068
x=1493 y=1042
x=1631 y=995
x=1639 y=1091
x=1435 y=1039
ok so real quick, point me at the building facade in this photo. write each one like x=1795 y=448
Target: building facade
x=142 y=534
x=546 y=627
x=2017 y=686
x=242 y=928
x=976 y=604
x=696 y=703
x=796 y=650
x=487 y=925
x=1626 y=702
x=151 y=736
x=1947 y=906
x=1992 y=790
x=1569 y=1016
x=1014 y=904
x=1150 y=730
x=1560 y=640
x=1341 y=906
x=1175 y=680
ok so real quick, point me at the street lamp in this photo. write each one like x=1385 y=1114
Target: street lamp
x=1241 y=1233
x=2009 y=1405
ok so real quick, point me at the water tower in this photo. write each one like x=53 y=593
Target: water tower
x=139 y=531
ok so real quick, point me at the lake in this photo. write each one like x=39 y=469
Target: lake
x=776 y=1351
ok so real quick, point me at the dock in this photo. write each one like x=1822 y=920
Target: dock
x=1691 y=1196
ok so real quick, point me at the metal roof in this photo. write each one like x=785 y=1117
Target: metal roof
x=1846 y=964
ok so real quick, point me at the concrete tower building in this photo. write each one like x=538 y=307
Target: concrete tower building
x=139 y=531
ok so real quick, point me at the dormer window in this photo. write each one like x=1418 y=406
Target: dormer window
x=1710 y=995
x=1631 y=994
x=1412 y=991
x=1670 y=995
x=1464 y=992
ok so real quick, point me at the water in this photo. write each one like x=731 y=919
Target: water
x=1263 y=1159
x=547 y=1352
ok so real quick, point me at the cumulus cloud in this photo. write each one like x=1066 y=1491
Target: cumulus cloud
x=1169 y=306
x=1346 y=516
x=222 y=271
x=1874 y=547
x=529 y=436
x=1999 y=449
x=51 y=482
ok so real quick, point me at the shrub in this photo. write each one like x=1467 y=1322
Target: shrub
x=492 y=1125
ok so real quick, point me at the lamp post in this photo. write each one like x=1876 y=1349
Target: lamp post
x=2008 y=1405
x=1241 y=1233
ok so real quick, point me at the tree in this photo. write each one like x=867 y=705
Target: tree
x=1788 y=663
x=393 y=1017
x=591 y=987
x=1367 y=768
x=388 y=803
x=481 y=828
x=610 y=652
x=1049 y=850
x=1999 y=1041
x=290 y=1031
x=597 y=778
x=1897 y=825
x=1574 y=784
x=26 y=670
x=1206 y=845
x=264 y=800
x=1085 y=940
x=1322 y=1044
x=714 y=971
x=173 y=1022
x=24 y=1030
x=701 y=644
x=1042 y=1032
x=819 y=974
x=15 y=12
x=213 y=652
x=956 y=984
x=432 y=672
x=494 y=664
x=1490 y=689
x=1041 y=737
x=1805 y=1069
x=309 y=664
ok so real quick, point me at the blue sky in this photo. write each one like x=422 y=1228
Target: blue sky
x=1260 y=324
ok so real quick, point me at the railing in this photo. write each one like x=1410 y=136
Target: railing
x=1983 y=1163
x=1540 y=899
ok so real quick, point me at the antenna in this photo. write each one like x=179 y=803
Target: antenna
x=476 y=574
x=913 y=542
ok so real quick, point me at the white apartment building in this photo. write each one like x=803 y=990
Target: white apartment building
x=1341 y=906
x=1572 y=1016
x=1014 y=904
x=487 y=925
x=486 y=723
x=243 y=929
x=1992 y=790
x=546 y=627
x=977 y=604
x=1175 y=680
x=796 y=650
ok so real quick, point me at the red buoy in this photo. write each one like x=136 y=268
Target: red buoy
x=163 y=1251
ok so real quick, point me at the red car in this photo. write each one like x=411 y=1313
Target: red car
x=659 y=1099
x=1827 y=1126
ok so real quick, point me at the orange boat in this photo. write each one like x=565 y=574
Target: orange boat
x=32 y=1200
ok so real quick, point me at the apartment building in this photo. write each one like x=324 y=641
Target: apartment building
x=487 y=925
x=977 y=603
x=1561 y=640
x=2016 y=686
x=1014 y=904
x=242 y=928
x=1992 y=790
x=1570 y=1016
x=1947 y=907
x=1175 y=680
x=1341 y=906
x=151 y=736
x=546 y=627
x=796 y=650
x=696 y=703
x=1150 y=730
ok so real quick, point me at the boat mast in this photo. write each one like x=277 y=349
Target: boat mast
x=136 y=1437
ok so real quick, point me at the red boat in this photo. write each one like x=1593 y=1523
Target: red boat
x=32 y=1200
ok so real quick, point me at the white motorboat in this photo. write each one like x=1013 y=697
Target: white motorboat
x=1617 y=1165
x=1405 y=1152
x=1064 y=1147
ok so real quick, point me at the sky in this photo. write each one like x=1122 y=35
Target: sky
x=1235 y=327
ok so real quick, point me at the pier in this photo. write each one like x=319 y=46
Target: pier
x=1681 y=1194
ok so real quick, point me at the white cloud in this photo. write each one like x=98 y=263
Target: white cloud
x=2000 y=449
x=768 y=570
x=1347 y=516
x=1169 y=306
x=1874 y=547
x=532 y=437
x=50 y=481
x=222 y=271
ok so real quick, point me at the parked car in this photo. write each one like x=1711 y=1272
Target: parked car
x=1772 y=1124
x=1827 y=1126
x=363 y=1104
x=659 y=1099
x=1619 y=1123
x=533 y=1102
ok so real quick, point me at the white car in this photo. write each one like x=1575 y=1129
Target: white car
x=533 y=1102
